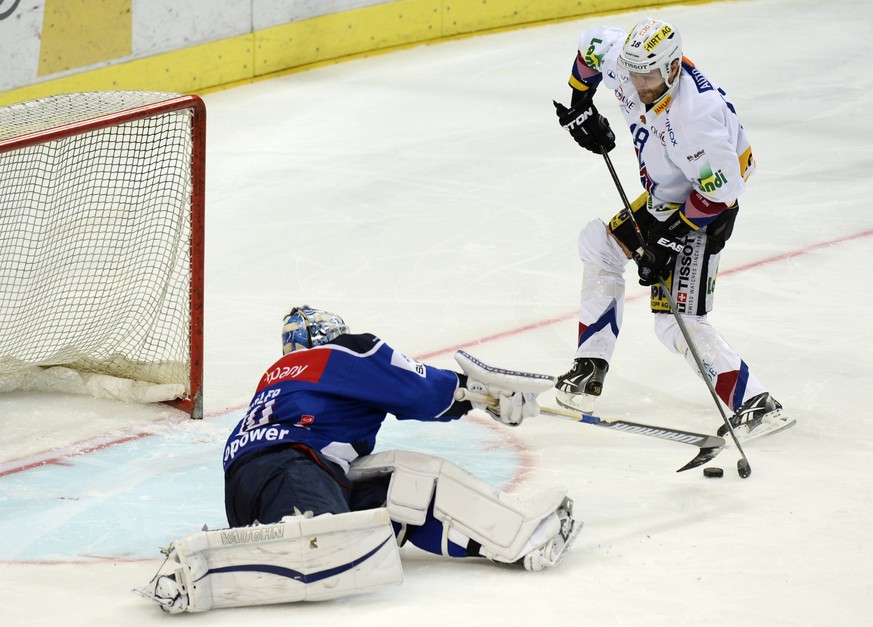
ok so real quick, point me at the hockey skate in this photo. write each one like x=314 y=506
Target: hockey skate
x=552 y=552
x=579 y=388
x=759 y=416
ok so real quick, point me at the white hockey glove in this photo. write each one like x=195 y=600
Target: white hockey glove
x=508 y=396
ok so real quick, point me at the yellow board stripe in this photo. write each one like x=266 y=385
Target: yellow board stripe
x=298 y=46
x=79 y=33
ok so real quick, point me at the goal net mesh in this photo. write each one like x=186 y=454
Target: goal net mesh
x=95 y=232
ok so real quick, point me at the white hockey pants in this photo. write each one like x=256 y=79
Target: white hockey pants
x=602 y=308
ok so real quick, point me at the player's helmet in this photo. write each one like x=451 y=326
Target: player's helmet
x=307 y=327
x=652 y=45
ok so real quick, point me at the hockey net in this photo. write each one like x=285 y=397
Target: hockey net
x=101 y=246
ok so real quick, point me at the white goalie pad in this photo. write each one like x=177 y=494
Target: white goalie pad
x=500 y=379
x=297 y=559
x=503 y=524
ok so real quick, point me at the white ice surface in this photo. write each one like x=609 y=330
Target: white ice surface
x=429 y=196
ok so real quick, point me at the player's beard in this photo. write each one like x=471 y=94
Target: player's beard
x=651 y=96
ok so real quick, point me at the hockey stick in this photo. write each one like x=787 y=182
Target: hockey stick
x=709 y=445
x=743 y=467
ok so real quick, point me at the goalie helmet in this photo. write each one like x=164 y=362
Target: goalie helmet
x=307 y=327
x=652 y=45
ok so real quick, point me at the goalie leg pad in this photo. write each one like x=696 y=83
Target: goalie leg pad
x=296 y=559
x=468 y=507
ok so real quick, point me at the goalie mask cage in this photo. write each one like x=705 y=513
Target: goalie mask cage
x=101 y=246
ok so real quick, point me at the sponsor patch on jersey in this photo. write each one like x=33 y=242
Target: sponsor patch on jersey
x=700 y=80
x=307 y=365
x=710 y=181
x=747 y=163
x=624 y=101
x=593 y=60
x=402 y=361
x=663 y=105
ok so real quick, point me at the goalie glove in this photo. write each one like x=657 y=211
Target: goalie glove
x=505 y=406
x=508 y=396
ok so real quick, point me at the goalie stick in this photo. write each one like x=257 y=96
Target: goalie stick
x=709 y=445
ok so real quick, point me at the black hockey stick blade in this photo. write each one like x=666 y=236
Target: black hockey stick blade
x=709 y=445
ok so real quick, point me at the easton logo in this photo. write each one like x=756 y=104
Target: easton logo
x=668 y=243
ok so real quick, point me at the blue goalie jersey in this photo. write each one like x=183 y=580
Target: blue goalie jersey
x=335 y=397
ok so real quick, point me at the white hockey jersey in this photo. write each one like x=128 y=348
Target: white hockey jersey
x=689 y=140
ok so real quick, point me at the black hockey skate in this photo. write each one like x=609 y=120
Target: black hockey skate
x=578 y=388
x=759 y=416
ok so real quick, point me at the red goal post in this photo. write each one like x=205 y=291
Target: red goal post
x=101 y=246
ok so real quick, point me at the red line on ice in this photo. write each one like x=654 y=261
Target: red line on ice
x=550 y=321
x=57 y=456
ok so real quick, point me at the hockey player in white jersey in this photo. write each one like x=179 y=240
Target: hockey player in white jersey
x=694 y=160
x=315 y=514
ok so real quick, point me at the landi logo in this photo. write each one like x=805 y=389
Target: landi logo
x=711 y=181
x=593 y=60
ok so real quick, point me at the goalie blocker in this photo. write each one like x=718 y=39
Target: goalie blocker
x=304 y=558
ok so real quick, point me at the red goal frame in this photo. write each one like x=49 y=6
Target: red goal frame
x=193 y=405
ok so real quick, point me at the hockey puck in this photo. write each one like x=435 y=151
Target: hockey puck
x=713 y=472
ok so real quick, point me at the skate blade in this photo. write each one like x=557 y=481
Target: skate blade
x=148 y=592
x=763 y=433
x=582 y=408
